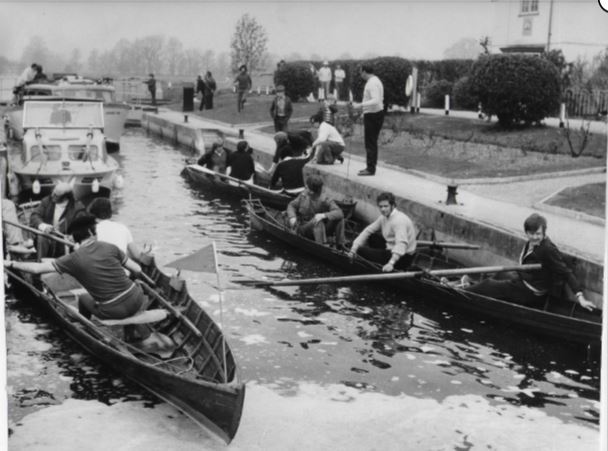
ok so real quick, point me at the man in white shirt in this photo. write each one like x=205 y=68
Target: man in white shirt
x=325 y=78
x=398 y=232
x=373 y=116
x=329 y=144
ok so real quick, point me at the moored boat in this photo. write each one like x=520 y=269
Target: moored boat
x=63 y=141
x=559 y=318
x=195 y=370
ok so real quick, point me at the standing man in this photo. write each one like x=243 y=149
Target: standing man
x=398 y=232
x=281 y=110
x=151 y=83
x=325 y=78
x=242 y=83
x=373 y=116
x=339 y=76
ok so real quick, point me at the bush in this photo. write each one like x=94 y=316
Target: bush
x=392 y=71
x=434 y=94
x=297 y=79
x=516 y=88
x=463 y=95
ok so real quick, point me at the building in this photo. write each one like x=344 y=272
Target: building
x=577 y=27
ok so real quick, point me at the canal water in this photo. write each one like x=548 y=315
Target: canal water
x=327 y=367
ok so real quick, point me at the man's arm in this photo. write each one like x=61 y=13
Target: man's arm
x=31 y=267
x=132 y=266
x=365 y=234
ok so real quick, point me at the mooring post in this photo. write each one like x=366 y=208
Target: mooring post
x=452 y=191
x=185 y=118
x=241 y=133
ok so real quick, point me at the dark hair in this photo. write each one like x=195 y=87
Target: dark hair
x=314 y=183
x=534 y=222
x=367 y=68
x=242 y=146
x=243 y=66
x=81 y=226
x=101 y=208
x=390 y=197
x=317 y=117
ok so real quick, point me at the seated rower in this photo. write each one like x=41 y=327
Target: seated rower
x=290 y=173
x=316 y=215
x=329 y=144
x=98 y=267
x=531 y=288
x=240 y=163
x=398 y=232
x=216 y=159
x=289 y=144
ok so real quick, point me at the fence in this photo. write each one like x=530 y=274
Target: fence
x=582 y=103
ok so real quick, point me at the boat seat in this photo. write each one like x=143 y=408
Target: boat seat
x=145 y=317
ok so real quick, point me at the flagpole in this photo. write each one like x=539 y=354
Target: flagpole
x=221 y=297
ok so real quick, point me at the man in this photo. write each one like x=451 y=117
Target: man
x=290 y=144
x=315 y=214
x=339 y=76
x=290 y=173
x=373 y=116
x=324 y=79
x=55 y=213
x=241 y=163
x=242 y=84
x=98 y=267
x=329 y=144
x=531 y=288
x=113 y=232
x=281 y=110
x=216 y=158
x=151 y=83
x=398 y=232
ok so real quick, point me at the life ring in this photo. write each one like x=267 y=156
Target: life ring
x=409 y=85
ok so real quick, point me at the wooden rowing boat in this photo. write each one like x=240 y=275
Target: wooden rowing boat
x=194 y=369
x=559 y=319
x=208 y=179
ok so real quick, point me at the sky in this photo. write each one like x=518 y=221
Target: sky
x=408 y=28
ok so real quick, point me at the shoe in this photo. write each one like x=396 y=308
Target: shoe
x=365 y=172
x=340 y=159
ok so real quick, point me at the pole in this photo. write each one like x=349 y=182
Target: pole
x=221 y=298
x=550 y=25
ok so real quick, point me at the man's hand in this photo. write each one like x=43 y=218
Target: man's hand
x=389 y=267
x=319 y=217
x=292 y=222
x=588 y=305
x=45 y=228
x=352 y=254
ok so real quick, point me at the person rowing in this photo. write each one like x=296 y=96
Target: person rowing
x=532 y=288
x=398 y=235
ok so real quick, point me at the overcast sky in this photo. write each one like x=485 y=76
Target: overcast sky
x=414 y=29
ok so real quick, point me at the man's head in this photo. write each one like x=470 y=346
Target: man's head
x=243 y=68
x=316 y=118
x=326 y=63
x=242 y=146
x=101 y=208
x=367 y=70
x=219 y=139
x=280 y=137
x=535 y=227
x=82 y=227
x=151 y=75
x=280 y=90
x=386 y=203
x=314 y=183
x=62 y=192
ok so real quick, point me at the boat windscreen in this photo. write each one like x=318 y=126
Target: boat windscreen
x=62 y=114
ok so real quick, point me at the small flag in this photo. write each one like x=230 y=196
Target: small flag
x=202 y=260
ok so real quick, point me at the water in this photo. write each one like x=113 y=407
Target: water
x=326 y=367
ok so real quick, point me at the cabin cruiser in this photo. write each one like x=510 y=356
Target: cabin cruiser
x=62 y=141
x=115 y=113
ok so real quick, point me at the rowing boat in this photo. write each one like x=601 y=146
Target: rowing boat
x=193 y=369
x=208 y=179
x=558 y=319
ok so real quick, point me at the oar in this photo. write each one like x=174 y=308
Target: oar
x=390 y=276
x=223 y=176
x=446 y=245
x=38 y=232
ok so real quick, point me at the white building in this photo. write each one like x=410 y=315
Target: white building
x=578 y=27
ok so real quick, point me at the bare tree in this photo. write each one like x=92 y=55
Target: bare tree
x=248 y=45
x=173 y=53
x=149 y=49
x=465 y=48
x=35 y=51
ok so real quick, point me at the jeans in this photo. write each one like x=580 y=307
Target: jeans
x=372 y=124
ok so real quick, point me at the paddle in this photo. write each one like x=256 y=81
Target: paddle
x=223 y=176
x=391 y=276
x=38 y=232
x=446 y=245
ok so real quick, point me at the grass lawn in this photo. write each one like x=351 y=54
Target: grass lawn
x=590 y=199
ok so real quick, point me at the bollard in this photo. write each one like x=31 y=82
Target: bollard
x=447 y=104
x=479 y=112
x=259 y=90
x=418 y=101
x=267 y=89
x=241 y=133
x=562 y=114
x=185 y=118
x=451 y=199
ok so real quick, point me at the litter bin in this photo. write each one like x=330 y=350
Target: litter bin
x=188 y=98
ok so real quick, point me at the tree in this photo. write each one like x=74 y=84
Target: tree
x=35 y=51
x=173 y=53
x=74 y=64
x=485 y=44
x=248 y=44
x=149 y=52
x=465 y=48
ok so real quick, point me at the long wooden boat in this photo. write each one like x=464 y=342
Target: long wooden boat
x=195 y=370
x=208 y=179
x=559 y=319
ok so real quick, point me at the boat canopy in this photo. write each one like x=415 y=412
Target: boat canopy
x=104 y=93
x=62 y=114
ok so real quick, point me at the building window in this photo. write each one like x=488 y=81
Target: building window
x=529 y=6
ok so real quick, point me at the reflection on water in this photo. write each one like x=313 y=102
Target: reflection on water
x=362 y=336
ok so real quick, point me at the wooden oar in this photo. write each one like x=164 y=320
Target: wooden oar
x=224 y=176
x=446 y=245
x=390 y=276
x=38 y=232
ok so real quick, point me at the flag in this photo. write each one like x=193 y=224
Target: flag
x=202 y=260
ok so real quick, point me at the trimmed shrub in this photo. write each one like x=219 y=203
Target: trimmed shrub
x=463 y=95
x=516 y=88
x=434 y=94
x=392 y=71
x=297 y=79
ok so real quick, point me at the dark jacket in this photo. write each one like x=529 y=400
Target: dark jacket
x=45 y=210
x=214 y=161
x=241 y=164
x=304 y=207
x=554 y=269
x=290 y=172
x=274 y=109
